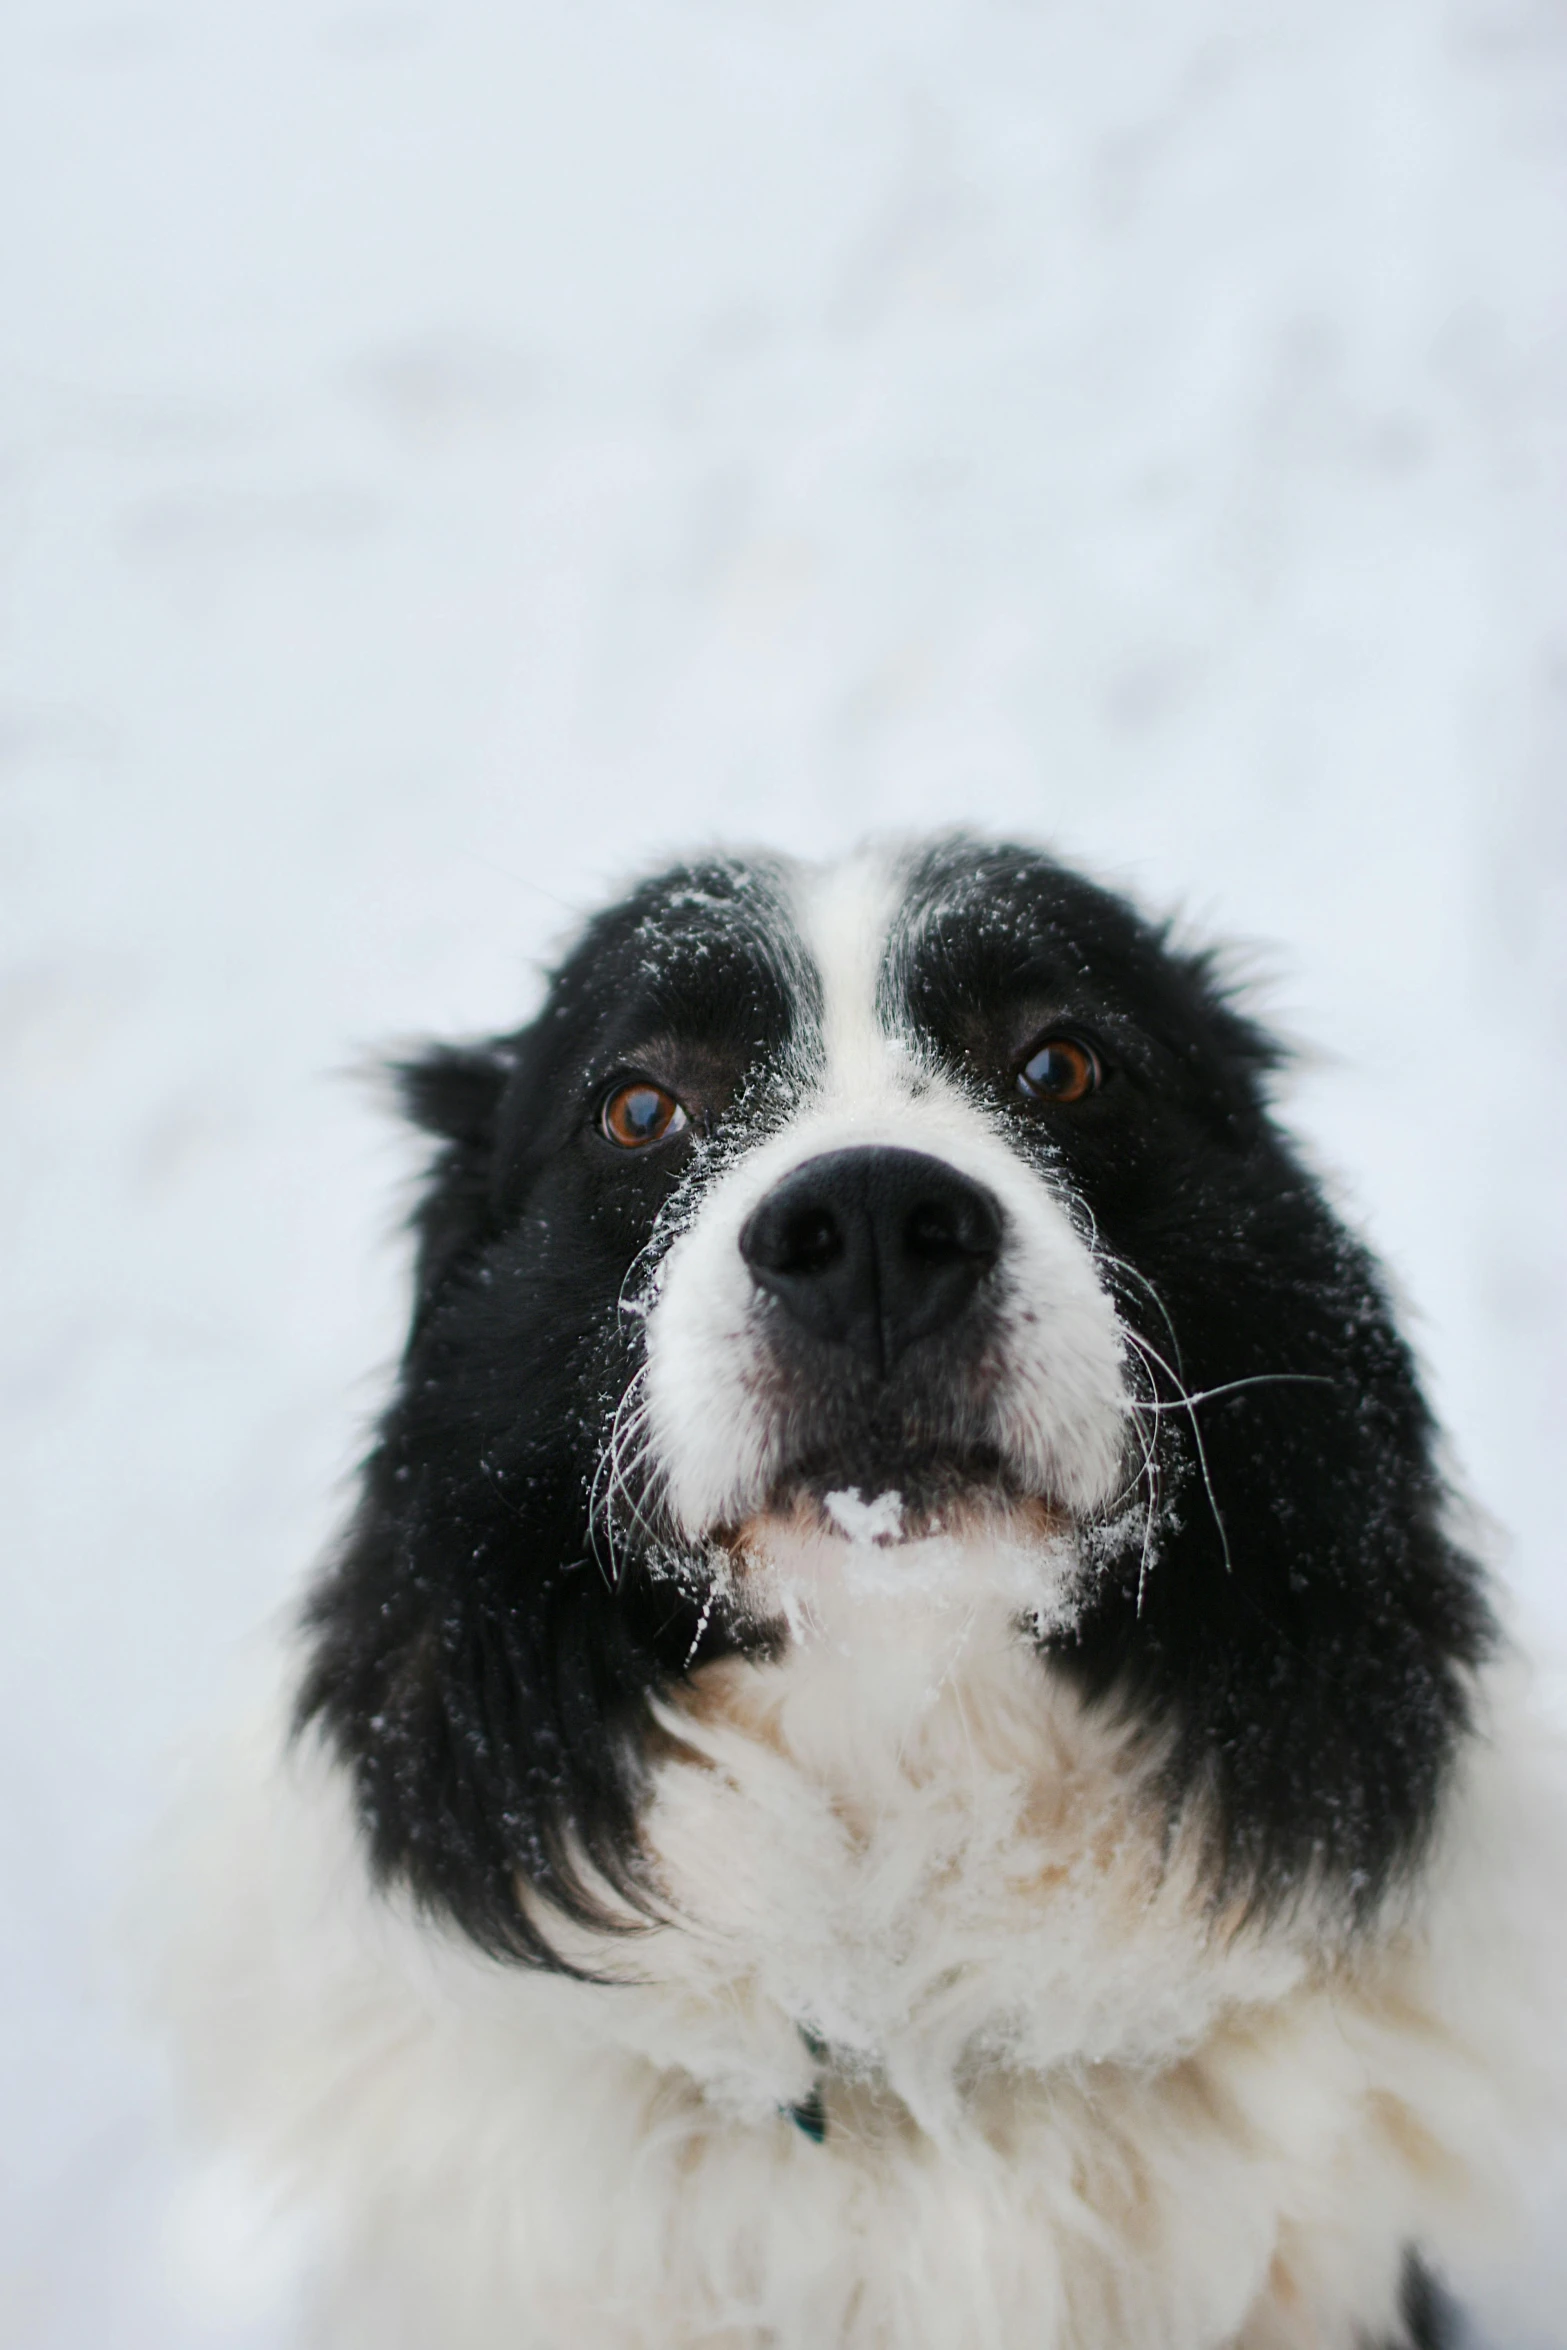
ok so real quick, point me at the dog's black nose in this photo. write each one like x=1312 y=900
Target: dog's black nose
x=873 y=1249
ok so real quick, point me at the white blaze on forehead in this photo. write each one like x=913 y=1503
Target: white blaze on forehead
x=845 y=914
x=718 y=1413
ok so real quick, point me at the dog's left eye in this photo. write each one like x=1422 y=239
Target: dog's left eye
x=1060 y=1069
x=640 y=1113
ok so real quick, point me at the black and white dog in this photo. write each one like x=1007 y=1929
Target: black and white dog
x=902 y=1753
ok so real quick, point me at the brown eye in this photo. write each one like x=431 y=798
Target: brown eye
x=640 y=1113
x=1059 y=1070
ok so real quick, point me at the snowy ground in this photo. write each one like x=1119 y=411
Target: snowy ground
x=450 y=452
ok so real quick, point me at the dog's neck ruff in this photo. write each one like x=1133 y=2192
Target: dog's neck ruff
x=933 y=2046
x=904 y=1842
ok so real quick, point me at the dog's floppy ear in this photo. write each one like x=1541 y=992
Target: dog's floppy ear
x=454 y=1092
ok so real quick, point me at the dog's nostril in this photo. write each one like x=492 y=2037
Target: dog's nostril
x=932 y=1232
x=810 y=1243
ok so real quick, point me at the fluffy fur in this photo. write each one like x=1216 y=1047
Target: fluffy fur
x=941 y=1779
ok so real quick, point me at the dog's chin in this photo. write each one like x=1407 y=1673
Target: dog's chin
x=813 y=1550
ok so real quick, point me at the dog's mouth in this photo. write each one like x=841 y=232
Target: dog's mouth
x=830 y=1565
x=902 y=1496
x=937 y=1486
x=949 y=1528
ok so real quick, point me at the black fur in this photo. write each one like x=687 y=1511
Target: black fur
x=1304 y=1629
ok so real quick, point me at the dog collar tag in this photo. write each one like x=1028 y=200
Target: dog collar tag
x=810 y=2115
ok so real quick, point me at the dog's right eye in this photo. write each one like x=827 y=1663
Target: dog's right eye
x=1060 y=1069
x=640 y=1113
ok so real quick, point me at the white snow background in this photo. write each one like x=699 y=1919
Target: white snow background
x=453 y=452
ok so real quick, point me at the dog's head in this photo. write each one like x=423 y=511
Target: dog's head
x=928 y=1206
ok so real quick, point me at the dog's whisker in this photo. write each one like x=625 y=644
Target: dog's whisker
x=1184 y=1401
x=1119 y=1266
x=612 y=1472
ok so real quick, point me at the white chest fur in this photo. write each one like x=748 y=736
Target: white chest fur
x=902 y=1842
x=1064 y=2107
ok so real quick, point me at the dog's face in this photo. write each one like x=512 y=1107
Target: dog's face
x=928 y=1201
x=879 y=1288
